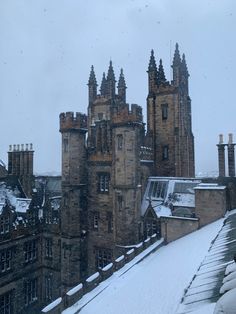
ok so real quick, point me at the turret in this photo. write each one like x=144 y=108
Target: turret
x=92 y=86
x=176 y=66
x=152 y=73
x=111 y=82
x=122 y=87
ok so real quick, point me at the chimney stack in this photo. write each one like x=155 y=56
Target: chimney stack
x=221 y=156
x=231 y=156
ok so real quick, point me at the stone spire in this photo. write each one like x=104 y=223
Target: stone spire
x=152 y=74
x=176 y=66
x=111 y=81
x=103 y=85
x=92 y=86
x=184 y=66
x=161 y=79
x=152 y=63
x=92 y=78
x=177 y=59
x=122 y=86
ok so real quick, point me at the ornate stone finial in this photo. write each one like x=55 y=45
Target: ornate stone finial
x=26 y=146
x=161 y=74
x=221 y=139
x=152 y=63
x=121 y=82
x=230 y=138
x=92 y=78
x=10 y=148
x=31 y=146
x=14 y=147
x=184 y=65
x=103 y=85
x=110 y=73
x=18 y=146
x=177 y=59
x=22 y=147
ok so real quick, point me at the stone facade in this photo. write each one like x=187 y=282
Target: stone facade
x=169 y=119
x=210 y=203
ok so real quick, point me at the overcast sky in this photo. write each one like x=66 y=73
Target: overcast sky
x=47 y=49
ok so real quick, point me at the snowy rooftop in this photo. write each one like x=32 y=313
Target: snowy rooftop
x=162 y=191
x=156 y=284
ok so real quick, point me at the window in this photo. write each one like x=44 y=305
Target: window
x=95 y=219
x=164 y=110
x=104 y=179
x=30 y=250
x=5 y=260
x=119 y=141
x=30 y=291
x=48 y=247
x=4 y=225
x=6 y=303
x=119 y=202
x=109 y=222
x=157 y=189
x=151 y=227
x=65 y=145
x=103 y=257
x=100 y=116
x=48 y=287
x=165 y=153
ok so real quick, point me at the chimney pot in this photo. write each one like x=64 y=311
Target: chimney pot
x=221 y=139
x=230 y=138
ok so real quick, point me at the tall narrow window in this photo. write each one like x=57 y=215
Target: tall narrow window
x=30 y=251
x=48 y=287
x=165 y=152
x=103 y=257
x=65 y=145
x=6 y=303
x=5 y=260
x=4 y=224
x=109 y=222
x=48 y=248
x=164 y=110
x=103 y=185
x=119 y=141
x=30 y=291
x=95 y=220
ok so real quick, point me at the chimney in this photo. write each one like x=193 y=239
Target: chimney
x=231 y=157
x=221 y=156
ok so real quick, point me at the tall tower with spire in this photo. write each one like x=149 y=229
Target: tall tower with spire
x=169 y=121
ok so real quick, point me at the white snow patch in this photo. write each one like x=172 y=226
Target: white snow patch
x=51 y=306
x=119 y=259
x=107 y=267
x=75 y=289
x=93 y=277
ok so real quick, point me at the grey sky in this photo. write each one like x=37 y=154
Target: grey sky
x=47 y=48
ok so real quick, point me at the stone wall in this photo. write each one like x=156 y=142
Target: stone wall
x=173 y=228
x=210 y=203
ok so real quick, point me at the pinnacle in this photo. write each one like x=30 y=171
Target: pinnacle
x=103 y=84
x=152 y=63
x=121 y=82
x=184 y=64
x=110 y=73
x=92 y=77
x=177 y=59
x=161 y=74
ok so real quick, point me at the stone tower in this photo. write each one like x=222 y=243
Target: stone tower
x=73 y=210
x=169 y=119
x=20 y=164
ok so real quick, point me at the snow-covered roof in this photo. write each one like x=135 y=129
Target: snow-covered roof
x=160 y=191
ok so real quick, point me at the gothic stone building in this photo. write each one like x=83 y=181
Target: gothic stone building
x=107 y=158
x=48 y=246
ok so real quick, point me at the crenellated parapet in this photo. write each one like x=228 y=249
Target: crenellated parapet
x=70 y=121
x=122 y=114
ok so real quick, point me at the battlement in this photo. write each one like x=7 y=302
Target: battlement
x=122 y=114
x=71 y=121
x=20 y=148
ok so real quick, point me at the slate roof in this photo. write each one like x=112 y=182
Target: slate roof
x=206 y=283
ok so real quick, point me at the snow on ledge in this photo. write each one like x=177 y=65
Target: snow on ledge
x=75 y=289
x=147 y=240
x=51 y=306
x=107 y=267
x=119 y=259
x=130 y=252
x=93 y=277
x=139 y=245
